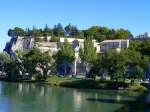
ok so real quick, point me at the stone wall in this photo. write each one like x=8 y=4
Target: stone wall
x=27 y=43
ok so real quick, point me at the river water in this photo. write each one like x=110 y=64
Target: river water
x=28 y=97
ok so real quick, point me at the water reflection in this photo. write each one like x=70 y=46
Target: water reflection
x=118 y=98
x=23 y=97
x=4 y=105
x=0 y=88
x=77 y=100
x=113 y=101
x=148 y=98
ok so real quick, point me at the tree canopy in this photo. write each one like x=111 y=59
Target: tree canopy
x=88 y=53
x=99 y=33
x=64 y=57
x=126 y=64
x=34 y=57
x=65 y=53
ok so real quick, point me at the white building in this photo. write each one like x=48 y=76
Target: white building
x=47 y=38
x=51 y=47
x=26 y=43
x=101 y=46
x=113 y=44
x=81 y=42
x=145 y=35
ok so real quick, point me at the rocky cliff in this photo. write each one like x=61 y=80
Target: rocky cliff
x=19 y=43
x=27 y=43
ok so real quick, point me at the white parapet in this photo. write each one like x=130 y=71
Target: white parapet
x=114 y=44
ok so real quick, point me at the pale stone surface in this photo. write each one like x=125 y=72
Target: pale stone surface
x=26 y=43
x=23 y=43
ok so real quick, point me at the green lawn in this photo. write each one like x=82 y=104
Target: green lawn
x=94 y=84
x=57 y=81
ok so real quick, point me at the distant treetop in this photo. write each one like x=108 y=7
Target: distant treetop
x=99 y=33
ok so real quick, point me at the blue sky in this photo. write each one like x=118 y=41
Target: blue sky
x=129 y=14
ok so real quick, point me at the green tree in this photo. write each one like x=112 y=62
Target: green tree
x=101 y=33
x=75 y=32
x=145 y=48
x=55 y=39
x=122 y=34
x=88 y=54
x=115 y=64
x=111 y=34
x=137 y=64
x=47 y=32
x=17 y=30
x=4 y=58
x=58 y=30
x=137 y=72
x=135 y=45
x=97 y=68
x=66 y=54
x=126 y=64
x=12 y=69
x=34 y=58
x=27 y=32
x=10 y=32
x=10 y=66
x=95 y=32
x=35 y=33
x=68 y=29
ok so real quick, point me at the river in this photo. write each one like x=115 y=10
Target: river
x=28 y=97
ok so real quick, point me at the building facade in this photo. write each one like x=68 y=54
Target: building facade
x=142 y=37
x=27 y=43
x=113 y=44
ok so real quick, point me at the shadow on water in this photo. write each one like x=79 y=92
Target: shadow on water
x=114 y=101
x=138 y=105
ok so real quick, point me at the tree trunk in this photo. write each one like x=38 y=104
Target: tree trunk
x=132 y=82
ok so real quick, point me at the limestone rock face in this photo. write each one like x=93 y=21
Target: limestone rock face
x=8 y=47
x=23 y=44
x=27 y=43
x=19 y=43
x=51 y=47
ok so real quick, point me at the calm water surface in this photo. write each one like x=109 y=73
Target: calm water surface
x=23 y=97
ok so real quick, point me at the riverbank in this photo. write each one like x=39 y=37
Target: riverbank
x=28 y=96
x=80 y=83
x=95 y=84
x=137 y=90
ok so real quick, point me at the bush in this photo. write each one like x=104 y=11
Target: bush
x=138 y=88
x=38 y=39
x=55 y=39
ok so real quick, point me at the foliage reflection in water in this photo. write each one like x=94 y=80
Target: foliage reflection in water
x=24 y=97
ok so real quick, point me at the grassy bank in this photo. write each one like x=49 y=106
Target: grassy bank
x=94 y=84
x=57 y=81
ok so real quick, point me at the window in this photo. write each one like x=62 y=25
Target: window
x=123 y=44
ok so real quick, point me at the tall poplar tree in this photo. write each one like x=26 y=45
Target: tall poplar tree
x=88 y=53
